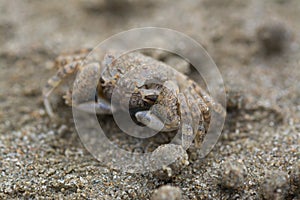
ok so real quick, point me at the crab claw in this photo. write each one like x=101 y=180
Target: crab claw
x=150 y=120
x=100 y=107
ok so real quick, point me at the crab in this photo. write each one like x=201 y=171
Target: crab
x=160 y=97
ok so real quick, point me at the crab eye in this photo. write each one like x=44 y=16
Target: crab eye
x=101 y=80
x=151 y=98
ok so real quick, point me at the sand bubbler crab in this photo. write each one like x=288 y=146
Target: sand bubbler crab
x=161 y=97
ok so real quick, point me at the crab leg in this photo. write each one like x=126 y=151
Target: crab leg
x=211 y=103
x=66 y=65
x=62 y=60
x=186 y=122
x=54 y=82
x=198 y=120
x=85 y=95
x=100 y=107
